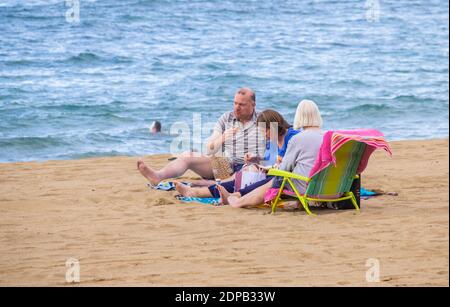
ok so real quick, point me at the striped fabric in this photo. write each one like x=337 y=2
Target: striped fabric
x=338 y=139
x=248 y=138
x=333 y=140
x=337 y=179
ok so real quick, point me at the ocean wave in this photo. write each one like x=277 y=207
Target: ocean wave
x=92 y=58
x=369 y=108
x=351 y=83
x=32 y=143
x=4 y=97
x=412 y=98
x=29 y=3
x=84 y=57
x=93 y=154
x=113 y=109
x=18 y=62
x=36 y=18
x=132 y=18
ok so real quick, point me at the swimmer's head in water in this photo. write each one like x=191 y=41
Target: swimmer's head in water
x=155 y=127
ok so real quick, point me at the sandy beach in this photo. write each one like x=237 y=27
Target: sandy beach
x=100 y=212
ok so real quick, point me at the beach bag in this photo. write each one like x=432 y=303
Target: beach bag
x=248 y=175
x=221 y=167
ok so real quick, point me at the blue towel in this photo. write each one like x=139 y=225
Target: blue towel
x=367 y=193
x=206 y=201
x=165 y=186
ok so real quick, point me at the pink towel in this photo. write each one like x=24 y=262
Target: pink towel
x=333 y=140
x=272 y=193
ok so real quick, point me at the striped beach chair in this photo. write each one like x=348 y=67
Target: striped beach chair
x=331 y=184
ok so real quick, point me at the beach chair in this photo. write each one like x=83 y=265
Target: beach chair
x=332 y=184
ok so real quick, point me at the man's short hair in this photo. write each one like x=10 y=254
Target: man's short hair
x=245 y=91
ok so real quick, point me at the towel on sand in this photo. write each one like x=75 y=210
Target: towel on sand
x=165 y=186
x=206 y=201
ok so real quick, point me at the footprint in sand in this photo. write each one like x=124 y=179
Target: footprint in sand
x=159 y=202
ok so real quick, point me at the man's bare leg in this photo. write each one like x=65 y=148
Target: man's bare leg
x=187 y=191
x=254 y=198
x=199 y=165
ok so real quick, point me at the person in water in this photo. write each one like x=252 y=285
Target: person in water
x=155 y=127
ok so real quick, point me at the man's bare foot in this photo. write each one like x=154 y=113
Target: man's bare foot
x=183 y=189
x=224 y=194
x=148 y=173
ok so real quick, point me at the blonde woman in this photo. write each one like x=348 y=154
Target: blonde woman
x=300 y=156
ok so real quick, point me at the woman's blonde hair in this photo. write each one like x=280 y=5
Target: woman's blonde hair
x=307 y=115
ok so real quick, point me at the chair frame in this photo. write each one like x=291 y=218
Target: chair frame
x=288 y=176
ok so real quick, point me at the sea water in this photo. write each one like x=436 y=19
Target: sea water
x=84 y=78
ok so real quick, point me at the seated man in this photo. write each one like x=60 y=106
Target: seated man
x=235 y=135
